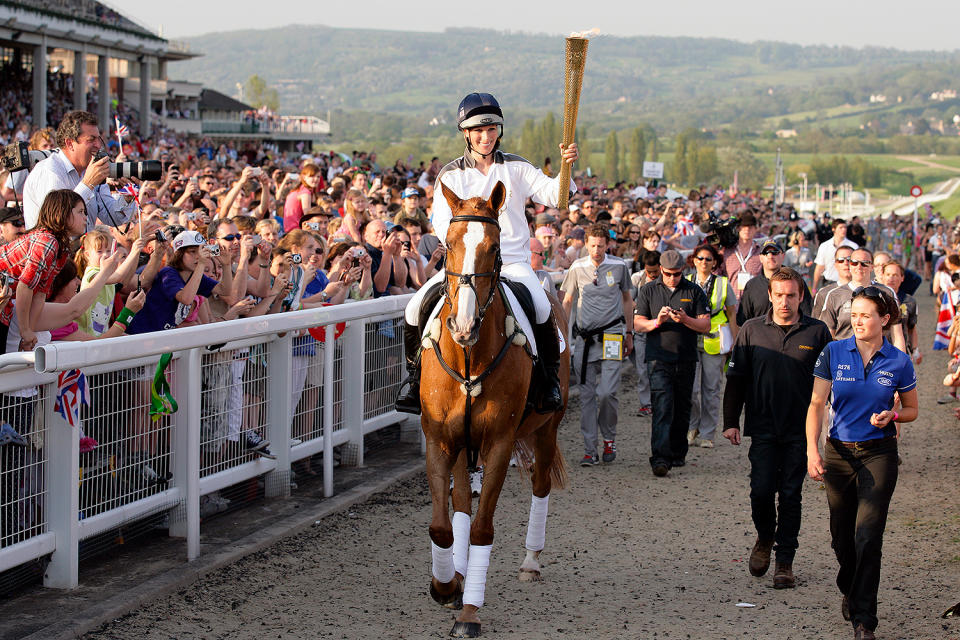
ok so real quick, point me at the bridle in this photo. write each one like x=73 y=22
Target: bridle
x=469 y=279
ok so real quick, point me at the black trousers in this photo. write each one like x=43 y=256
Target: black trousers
x=860 y=484
x=777 y=471
x=671 y=387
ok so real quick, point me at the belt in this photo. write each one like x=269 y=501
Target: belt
x=589 y=337
x=864 y=444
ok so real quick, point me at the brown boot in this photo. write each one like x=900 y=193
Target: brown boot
x=760 y=557
x=862 y=633
x=783 y=576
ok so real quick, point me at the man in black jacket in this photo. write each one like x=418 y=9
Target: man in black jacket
x=771 y=374
x=755 y=301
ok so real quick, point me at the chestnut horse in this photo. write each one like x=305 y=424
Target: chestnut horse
x=476 y=373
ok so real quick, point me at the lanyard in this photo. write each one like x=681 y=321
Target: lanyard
x=743 y=261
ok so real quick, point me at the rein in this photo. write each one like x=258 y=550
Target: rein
x=469 y=279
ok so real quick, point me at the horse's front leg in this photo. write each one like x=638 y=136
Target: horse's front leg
x=496 y=463
x=444 y=587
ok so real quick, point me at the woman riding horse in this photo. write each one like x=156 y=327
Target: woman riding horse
x=475 y=174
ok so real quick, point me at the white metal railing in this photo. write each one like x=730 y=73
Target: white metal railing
x=267 y=380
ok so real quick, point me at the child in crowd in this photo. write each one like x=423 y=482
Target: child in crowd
x=95 y=245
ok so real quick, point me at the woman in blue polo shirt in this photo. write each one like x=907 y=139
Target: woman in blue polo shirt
x=861 y=376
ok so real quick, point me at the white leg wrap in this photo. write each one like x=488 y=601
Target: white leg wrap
x=442 y=563
x=537 y=525
x=461 y=541
x=476 y=579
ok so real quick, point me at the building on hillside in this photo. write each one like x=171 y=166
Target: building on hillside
x=224 y=117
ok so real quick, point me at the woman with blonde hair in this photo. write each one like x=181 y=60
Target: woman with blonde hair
x=798 y=256
x=354 y=217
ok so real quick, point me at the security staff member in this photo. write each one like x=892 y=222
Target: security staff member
x=755 y=301
x=600 y=284
x=859 y=469
x=771 y=373
x=672 y=311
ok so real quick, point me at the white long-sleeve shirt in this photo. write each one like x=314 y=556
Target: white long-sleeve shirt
x=522 y=180
x=56 y=172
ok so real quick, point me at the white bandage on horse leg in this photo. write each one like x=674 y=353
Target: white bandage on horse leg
x=442 y=563
x=461 y=541
x=537 y=524
x=476 y=580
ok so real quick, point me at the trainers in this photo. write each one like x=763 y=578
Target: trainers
x=660 y=469
x=609 y=451
x=9 y=435
x=706 y=444
x=476 y=482
x=265 y=453
x=254 y=442
x=947 y=399
x=589 y=460
x=645 y=411
x=691 y=436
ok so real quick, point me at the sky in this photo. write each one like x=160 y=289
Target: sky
x=918 y=25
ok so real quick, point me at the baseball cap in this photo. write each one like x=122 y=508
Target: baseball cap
x=574 y=207
x=768 y=245
x=671 y=259
x=794 y=216
x=9 y=214
x=186 y=239
x=545 y=230
x=410 y=192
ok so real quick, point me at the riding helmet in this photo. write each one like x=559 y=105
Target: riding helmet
x=479 y=109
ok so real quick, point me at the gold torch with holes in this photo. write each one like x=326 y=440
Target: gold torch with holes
x=576 y=59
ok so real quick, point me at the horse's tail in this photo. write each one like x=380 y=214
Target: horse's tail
x=523 y=451
x=558 y=471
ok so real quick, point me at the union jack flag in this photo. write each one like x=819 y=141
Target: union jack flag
x=718 y=195
x=941 y=339
x=121 y=128
x=72 y=392
x=684 y=226
x=131 y=190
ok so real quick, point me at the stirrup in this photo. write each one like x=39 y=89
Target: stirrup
x=409 y=402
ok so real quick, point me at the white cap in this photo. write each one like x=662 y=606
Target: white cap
x=186 y=239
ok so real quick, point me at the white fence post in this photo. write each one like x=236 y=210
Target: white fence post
x=329 y=347
x=62 y=444
x=186 y=450
x=354 y=369
x=279 y=383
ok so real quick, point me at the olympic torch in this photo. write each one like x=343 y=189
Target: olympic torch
x=576 y=58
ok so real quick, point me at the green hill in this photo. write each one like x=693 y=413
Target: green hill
x=673 y=83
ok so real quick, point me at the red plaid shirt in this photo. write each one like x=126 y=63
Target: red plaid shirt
x=32 y=259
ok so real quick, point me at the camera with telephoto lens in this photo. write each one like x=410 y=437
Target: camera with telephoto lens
x=722 y=232
x=18 y=157
x=144 y=170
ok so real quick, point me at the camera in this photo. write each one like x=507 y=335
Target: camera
x=145 y=170
x=313 y=226
x=256 y=239
x=360 y=253
x=722 y=232
x=17 y=157
x=296 y=259
x=405 y=244
x=8 y=280
x=159 y=235
x=214 y=249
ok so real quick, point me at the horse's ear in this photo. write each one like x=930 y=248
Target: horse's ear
x=498 y=197
x=451 y=197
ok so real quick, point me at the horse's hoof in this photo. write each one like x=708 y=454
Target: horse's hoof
x=529 y=575
x=465 y=630
x=453 y=600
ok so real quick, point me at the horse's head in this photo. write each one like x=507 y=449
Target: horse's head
x=472 y=262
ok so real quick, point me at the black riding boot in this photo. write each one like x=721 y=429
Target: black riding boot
x=550 y=397
x=409 y=402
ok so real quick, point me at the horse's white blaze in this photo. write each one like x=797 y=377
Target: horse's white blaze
x=466 y=300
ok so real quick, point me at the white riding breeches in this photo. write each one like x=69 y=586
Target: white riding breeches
x=520 y=272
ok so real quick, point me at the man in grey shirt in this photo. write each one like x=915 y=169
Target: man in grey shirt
x=600 y=285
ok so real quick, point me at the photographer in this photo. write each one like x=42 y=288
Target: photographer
x=73 y=167
x=742 y=261
x=41 y=140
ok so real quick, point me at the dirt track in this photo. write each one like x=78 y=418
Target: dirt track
x=628 y=555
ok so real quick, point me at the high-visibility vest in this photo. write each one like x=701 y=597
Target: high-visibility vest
x=717 y=294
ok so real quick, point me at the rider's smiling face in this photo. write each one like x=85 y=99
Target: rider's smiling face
x=484 y=139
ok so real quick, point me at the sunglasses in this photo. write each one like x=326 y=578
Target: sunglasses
x=671 y=274
x=771 y=252
x=860 y=263
x=231 y=237
x=872 y=292
x=704 y=258
x=17 y=223
x=842 y=260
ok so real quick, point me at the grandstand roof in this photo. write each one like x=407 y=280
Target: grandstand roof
x=89 y=11
x=211 y=100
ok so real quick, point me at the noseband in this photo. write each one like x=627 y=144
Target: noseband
x=469 y=279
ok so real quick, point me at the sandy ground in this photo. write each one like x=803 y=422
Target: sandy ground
x=628 y=555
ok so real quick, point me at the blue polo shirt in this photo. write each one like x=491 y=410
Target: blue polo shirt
x=860 y=391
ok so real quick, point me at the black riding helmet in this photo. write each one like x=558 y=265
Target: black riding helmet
x=478 y=110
